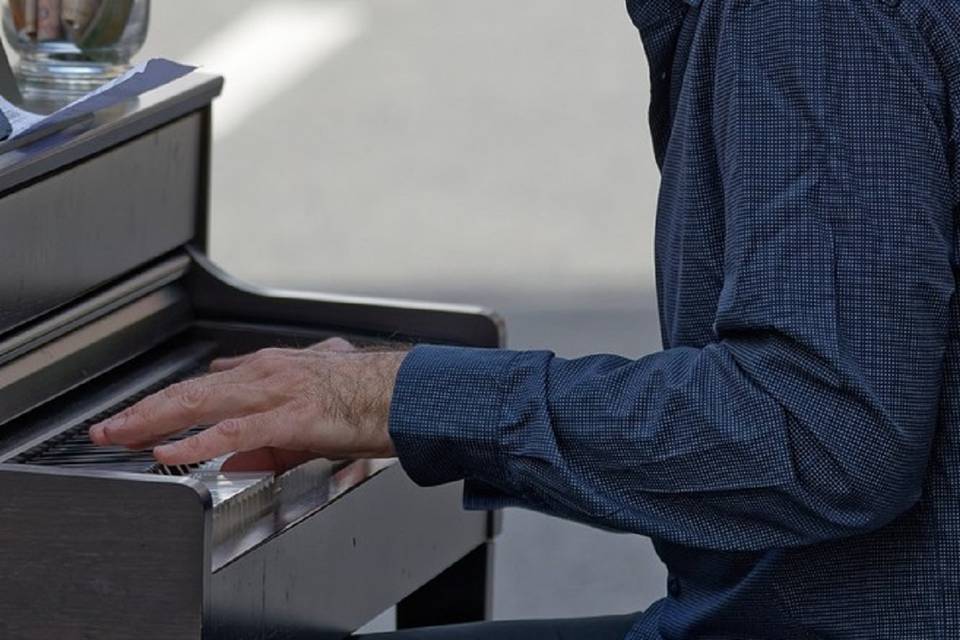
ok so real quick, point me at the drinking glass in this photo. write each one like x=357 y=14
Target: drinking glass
x=73 y=46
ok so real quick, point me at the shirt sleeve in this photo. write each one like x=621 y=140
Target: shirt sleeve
x=811 y=415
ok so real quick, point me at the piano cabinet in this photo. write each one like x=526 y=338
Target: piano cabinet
x=106 y=294
x=94 y=556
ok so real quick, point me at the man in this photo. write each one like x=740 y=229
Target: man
x=794 y=452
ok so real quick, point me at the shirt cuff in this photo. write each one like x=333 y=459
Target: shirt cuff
x=445 y=414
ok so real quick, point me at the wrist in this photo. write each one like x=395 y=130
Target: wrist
x=386 y=367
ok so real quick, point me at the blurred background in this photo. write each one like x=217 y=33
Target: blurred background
x=491 y=153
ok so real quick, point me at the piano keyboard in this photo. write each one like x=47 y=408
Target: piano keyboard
x=239 y=499
x=73 y=447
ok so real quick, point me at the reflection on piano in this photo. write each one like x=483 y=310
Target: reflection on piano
x=107 y=295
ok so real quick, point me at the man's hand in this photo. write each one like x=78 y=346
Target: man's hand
x=276 y=408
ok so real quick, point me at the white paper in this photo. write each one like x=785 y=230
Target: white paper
x=137 y=81
x=20 y=120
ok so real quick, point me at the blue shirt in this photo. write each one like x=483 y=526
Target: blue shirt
x=794 y=451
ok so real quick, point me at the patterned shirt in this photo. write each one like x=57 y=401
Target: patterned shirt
x=794 y=450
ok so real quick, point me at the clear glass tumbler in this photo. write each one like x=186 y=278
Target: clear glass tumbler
x=73 y=46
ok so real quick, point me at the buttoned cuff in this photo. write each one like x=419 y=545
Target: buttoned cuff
x=445 y=414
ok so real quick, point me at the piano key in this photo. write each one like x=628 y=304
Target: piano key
x=104 y=458
x=77 y=451
x=74 y=448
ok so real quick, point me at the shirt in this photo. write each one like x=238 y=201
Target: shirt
x=794 y=450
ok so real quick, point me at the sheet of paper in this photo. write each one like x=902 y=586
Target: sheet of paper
x=19 y=119
x=137 y=81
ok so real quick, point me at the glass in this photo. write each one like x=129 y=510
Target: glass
x=69 y=47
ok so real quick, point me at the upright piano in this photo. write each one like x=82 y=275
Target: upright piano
x=106 y=295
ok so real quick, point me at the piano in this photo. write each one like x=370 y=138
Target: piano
x=106 y=295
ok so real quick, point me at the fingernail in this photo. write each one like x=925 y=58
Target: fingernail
x=96 y=433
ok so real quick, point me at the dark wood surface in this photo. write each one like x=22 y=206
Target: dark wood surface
x=85 y=557
x=81 y=227
x=338 y=569
x=32 y=380
x=221 y=297
x=109 y=128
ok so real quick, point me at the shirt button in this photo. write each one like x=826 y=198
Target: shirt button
x=673 y=587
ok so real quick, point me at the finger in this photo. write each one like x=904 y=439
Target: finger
x=265 y=356
x=180 y=407
x=266 y=459
x=236 y=434
x=334 y=344
x=148 y=445
x=145 y=445
x=226 y=364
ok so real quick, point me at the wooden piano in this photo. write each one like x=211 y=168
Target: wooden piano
x=106 y=294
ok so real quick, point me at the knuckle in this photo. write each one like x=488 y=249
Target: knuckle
x=229 y=430
x=190 y=445
x=336 y=344
x=142 y=412
x=256 y=364
x=266 y=358
x=189 y=396
x=124 y=417
x=282 y=383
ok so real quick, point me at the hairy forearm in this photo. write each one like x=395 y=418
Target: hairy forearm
x=358 y=392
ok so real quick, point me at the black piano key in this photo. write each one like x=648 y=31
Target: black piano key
x=176 y=470
x=93 y=457
x=126 y=467
x=74 y=449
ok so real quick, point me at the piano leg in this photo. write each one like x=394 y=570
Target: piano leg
x=462 y=593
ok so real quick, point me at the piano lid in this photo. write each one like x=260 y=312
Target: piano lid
x=108 y=128
x=94 y=203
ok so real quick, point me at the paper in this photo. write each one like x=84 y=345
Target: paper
x=137 y=81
